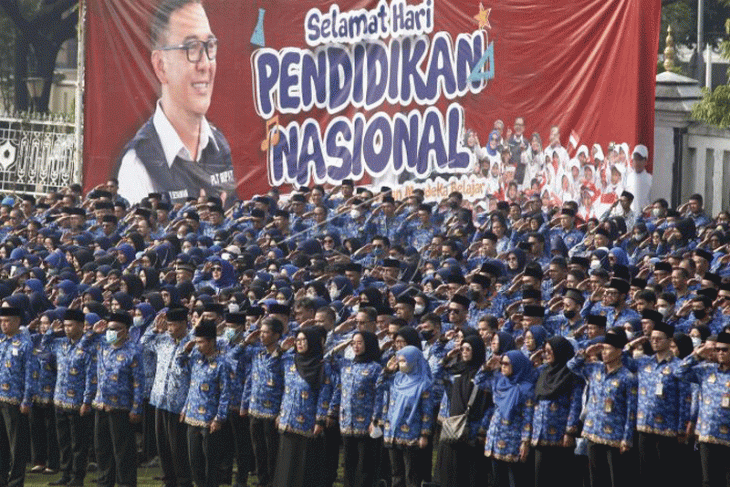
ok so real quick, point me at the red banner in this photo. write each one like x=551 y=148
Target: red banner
x=321 y=91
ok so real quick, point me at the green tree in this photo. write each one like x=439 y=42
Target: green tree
x=714 y=108
x=40 y=27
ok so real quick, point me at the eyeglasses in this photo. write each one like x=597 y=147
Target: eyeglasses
x=194 y=49
x=723 y=349
x=217 y=269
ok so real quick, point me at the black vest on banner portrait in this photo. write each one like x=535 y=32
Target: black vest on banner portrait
x=213 y=173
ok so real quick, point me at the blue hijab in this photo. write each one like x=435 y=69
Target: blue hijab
x=510 y=392
x=620 y=254
x=408 y=387
x=540 y=334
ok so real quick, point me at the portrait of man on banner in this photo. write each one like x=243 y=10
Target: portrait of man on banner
x=178 y=152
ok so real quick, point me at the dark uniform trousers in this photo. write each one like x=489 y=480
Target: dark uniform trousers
x=43 y=437
x=658 y=459
x=265 y=443
x=204 y=452
x=116 y=449
x=244 y=450
x=172 y=446
x=606 y=466
x=16 y=437
x=715 y=465
x=74 y=439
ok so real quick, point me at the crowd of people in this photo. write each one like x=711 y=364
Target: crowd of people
x=291 y=333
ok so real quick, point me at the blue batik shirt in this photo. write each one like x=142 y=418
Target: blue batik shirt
x=611 y=406
x=555 y=417
x=120 y=378
x=239 y=358
x=45 y=374
x=209 y=391
x=76 y=370
x=359 y=397
x=713 y=420
x=664 y=400
x=170 y=389
x=18 y=366
x=264 y=388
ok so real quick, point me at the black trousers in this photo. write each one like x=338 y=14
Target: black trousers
x=74 y=438
x=149 y=444
x=408 y=466
x=509 y=474
x=265 y=444
x=555 y=462
x=15 y=435
x=242 y=443
x=204 y=453
x=116 y=449
x=43 y=439
x=172 y=447
x=361 y=456
x=715 y=465
x=606 y=467
x=658 y=459
x=332 y=440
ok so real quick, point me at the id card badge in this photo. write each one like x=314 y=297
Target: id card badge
x=608 y=405
x=15 y=352
x=659 y=391
x=725 y=402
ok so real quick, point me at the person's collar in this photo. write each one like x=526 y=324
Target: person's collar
x=172 y=145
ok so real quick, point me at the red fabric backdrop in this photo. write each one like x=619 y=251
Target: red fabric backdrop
x=584 y=65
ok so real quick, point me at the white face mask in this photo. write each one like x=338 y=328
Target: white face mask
x=233 y=308
x=595 y=264
x=663 y=310
x=419 y=309
x=281 y=301
x=334 y=292
x=311 y=294
x=696 y=342
x=137 y=321
x=354 y=214
x=111 y=337
x=655 y=212
x=630 y=335
x=356 y=308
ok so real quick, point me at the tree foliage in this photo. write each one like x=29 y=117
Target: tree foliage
x=40 y=27
x=714 y=108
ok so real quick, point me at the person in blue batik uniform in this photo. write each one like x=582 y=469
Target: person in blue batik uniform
x=360 y=403
x=713 y=422
x=261 y=399
x=42 y=421
x=206 y=407
x=610 y=420
x=165 y=338
x=556 y=421
x=16 y=393
x=118 y=401
x=663 y=410
x=309 y=385
x=462 y=464
x=75 y=389
x=510 y=427
x=408 y=420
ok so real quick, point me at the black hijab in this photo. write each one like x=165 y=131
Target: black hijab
x=410 y=335
x=309 y=364
x=372 y=348
x=556 y=379
x=506 y=342
x=684 y=344
x=461 y=388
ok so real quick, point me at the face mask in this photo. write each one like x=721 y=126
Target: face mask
x=700 y=313
x=419 y=309
x=570 y=313
x=696 y=342
x=233 y=308
x=137 y=321
x=218 y=243
x=111 y=337
x=252 y=299
x=311 y=294
x=230 y=334
x=664 y=310
x=334 y=292
x=655 y=212
x=356 y=308
x=281 y=301
x=638 y=238
x=378 y=251
x=354 y=214
x=630 y=335
x=430 y=272
x=427 y=334
x=595 y=264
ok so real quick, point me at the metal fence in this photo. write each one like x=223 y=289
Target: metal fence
x=37 y=155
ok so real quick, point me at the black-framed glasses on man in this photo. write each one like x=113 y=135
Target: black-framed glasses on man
x=194 y=49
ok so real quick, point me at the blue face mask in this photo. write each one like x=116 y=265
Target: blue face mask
x=377 y=250
x=230 y=334
x=111 y=337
